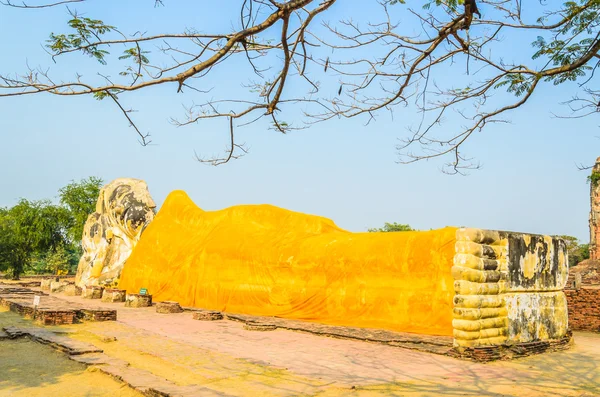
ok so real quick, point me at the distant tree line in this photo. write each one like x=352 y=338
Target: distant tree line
x=41 y=237
x=392 y=227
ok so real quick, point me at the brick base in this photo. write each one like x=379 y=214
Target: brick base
x=54 y=317
x=96 y=315
x=507 y=352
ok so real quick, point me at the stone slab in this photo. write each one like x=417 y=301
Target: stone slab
x=152 y=385
x=98 y=359
x=59 y=342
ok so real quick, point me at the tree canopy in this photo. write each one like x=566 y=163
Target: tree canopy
x=44 y=237
x=291 y=56
x=80 y=199
x=577 y=251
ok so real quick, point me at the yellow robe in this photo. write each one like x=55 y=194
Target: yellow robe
x=265 y=260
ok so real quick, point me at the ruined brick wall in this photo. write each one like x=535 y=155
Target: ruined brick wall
x=588 y=269
x=584 y=308
x=595 y=213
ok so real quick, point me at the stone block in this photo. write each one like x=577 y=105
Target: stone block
x=167 y=307
x=72 y=290
x=137 y=300
x=259 y=327
x=207 y=315
x=114 y=295
x=58 y=286
x=45 y=284
x=91 y=292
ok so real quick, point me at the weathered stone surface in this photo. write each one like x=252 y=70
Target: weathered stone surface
x=259 y=327
x=206 y=315
x=45 y=284
x=114 y=295
x=536 y=316
x=167 y=307
x=58 y=286
x=72 y=290
x=137 y=300
x=91 y=292
x=123 y=211
x=536 y=263
x=508 y=289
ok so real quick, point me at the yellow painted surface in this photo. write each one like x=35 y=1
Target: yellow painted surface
x=264 y=260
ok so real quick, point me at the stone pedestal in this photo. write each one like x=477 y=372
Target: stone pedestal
x=207 y=316
x=72 y=290
x=58 y=286
x=91 y=292
x=114 y=295
x=137 y=300
x=45 y=284
x=167 y=307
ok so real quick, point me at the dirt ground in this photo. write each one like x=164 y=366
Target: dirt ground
x=229 y=360
x=30 y=369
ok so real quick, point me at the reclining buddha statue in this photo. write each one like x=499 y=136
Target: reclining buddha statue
x=482 y=287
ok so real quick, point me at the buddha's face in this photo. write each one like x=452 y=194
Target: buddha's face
x=131 y=206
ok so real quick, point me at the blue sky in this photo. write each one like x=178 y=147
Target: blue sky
x=343 y=170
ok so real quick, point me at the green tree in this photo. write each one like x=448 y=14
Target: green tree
x=58 y=261
x=577 y=252
x=80 y=199
x=28 y=228
x=42 y=237
x=393 y=227
x=291 y=60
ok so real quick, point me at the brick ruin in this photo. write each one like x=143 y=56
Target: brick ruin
x=584 y=308
x=583 y=286
x=595 y=212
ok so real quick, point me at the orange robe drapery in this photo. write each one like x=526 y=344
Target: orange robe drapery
x=265 y=260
